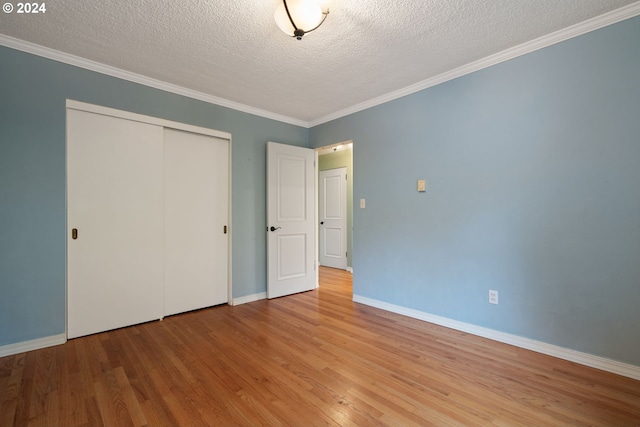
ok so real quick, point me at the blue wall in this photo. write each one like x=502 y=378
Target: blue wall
x=533 y=176
x=33 y=93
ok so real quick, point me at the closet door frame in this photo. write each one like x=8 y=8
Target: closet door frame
x=91 y=108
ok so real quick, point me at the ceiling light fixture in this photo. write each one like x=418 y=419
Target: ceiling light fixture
x=299 y=17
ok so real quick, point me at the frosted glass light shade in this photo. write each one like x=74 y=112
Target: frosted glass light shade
x=307 y=14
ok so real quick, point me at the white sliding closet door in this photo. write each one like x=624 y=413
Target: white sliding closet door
x=115 y=202
x=196 y=217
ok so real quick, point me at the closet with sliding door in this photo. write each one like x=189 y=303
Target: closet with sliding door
x=147 y=218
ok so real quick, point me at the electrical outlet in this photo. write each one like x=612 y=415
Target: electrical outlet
x=493 y=297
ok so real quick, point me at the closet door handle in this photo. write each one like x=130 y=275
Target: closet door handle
x=74 y=233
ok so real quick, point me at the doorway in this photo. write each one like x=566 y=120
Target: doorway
x=332 y=205
x=334 y=158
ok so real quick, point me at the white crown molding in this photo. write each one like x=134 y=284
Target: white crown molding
x=609 y=365
x=576 y=30
x=24 y=346
x=108 y=70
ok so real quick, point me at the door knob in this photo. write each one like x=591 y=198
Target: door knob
x=321 y=222
x=272 y=228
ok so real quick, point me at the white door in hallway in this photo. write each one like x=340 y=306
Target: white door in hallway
x=333 y=218
x=291 y=220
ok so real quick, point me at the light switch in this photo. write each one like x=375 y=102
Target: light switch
x=362 y=204
x=422 y=185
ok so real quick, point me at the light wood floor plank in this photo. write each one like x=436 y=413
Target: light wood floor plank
x=311 y=359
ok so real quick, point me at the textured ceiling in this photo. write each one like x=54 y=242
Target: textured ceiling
x=232 y=49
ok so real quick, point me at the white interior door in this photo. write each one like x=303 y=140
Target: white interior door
x=333 y=218
x=196 y=218
x=291 y=225
x=115 y=202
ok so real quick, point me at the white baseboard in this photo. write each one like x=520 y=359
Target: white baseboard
x=249 y=298
x=350 y=270
x=24 y=346
x=586 y=359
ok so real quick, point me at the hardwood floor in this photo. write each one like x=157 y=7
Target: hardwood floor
x=315 y=358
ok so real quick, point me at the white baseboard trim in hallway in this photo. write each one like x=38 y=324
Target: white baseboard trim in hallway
x=249 y=298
